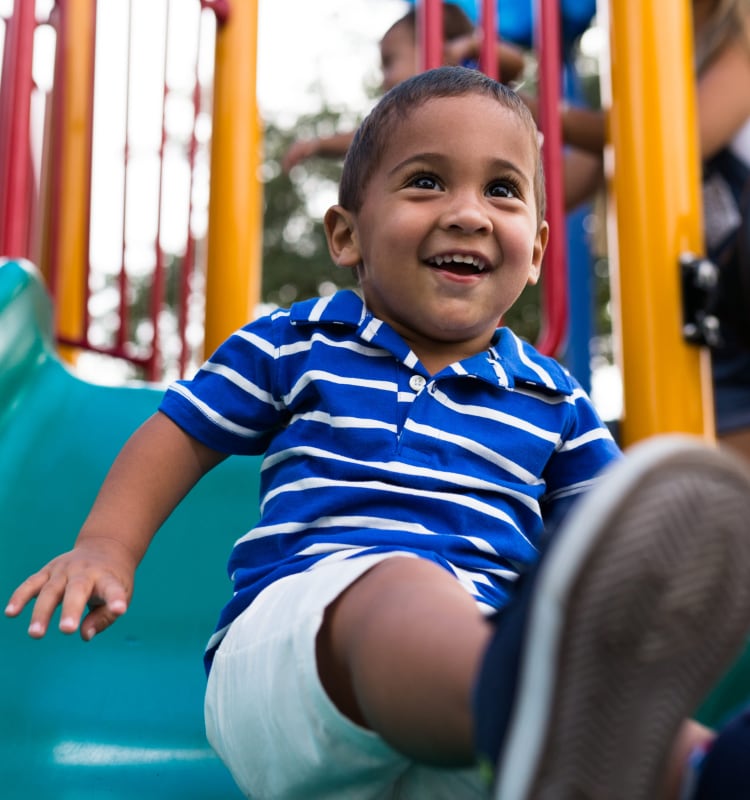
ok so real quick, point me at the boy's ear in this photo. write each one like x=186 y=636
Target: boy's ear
x=341 y=234
x=540 y=245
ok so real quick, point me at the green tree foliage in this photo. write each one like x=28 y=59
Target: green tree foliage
x=296 y=263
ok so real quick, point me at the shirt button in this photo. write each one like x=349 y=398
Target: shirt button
x=417 y=382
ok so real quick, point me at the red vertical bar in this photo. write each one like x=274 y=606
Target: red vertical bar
x=15 y=151
x=219 y=7
x=89 y=161
x=188 y=262
x=58 y=21
x=158 y=286
x=122 y=278
x=555 y=283
x=488 y=60
x=430 y=25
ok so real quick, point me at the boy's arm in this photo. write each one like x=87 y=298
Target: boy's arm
x=156 y=468
x=583 y=128
x=723 y=97
x=333 y=146
x=510 y=59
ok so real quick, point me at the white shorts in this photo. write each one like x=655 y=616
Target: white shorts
x=272 y=723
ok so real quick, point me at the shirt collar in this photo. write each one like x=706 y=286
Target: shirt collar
x=527 y=368
x=509 y=362
x=345 y=307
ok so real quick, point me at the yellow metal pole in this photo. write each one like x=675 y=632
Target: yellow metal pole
x=655 y=185
x=235 y=207
x=74 y=168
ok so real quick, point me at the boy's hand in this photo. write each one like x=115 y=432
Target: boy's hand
x=97 y=573
x=460 y=48
x=298 y=152
x=156 y=468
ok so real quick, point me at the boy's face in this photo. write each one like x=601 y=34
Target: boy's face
x=447 y=235
x=398 y=56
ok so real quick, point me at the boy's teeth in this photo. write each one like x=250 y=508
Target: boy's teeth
x=459 y=258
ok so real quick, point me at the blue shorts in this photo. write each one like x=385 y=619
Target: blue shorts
x=731 y=381
x=270 y=720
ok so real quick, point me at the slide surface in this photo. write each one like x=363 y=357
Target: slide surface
x=121 y=716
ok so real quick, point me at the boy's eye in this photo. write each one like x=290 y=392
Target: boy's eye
x=504 y=188
x=424 y=181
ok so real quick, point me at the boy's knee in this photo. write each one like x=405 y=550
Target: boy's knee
x=399 y=611
x=349 y=628
x=392 y=591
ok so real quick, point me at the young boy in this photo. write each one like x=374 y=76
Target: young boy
x=414 y=453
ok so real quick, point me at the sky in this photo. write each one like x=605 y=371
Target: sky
x=299 y=40
x=333 y=41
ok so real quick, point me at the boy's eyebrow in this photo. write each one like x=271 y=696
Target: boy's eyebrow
x=414 y=158
x=501 y=164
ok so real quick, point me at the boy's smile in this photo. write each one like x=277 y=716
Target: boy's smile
x=447 y=236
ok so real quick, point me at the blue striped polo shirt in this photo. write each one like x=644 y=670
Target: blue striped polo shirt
x=366 y=451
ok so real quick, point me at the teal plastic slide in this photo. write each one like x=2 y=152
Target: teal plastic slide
x=121 y=716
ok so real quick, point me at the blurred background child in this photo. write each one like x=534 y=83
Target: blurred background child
x=399 y=58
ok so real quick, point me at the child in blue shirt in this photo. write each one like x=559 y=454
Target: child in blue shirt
x=379 y=641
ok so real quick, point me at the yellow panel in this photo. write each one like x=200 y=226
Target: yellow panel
x=77 y=57
x=655 y=185
x=235 y=207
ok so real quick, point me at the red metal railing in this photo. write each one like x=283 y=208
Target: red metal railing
x=141 y=340
x=16 y=175
x=555 y=274
x=554 y=312
x=30 y=211
x=488 y=61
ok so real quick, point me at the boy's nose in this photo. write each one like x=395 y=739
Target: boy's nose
x=467 y=213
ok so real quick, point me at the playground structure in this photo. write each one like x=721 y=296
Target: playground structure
x=55 y=189
x=122 y=716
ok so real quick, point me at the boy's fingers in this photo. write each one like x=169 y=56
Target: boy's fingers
x=105 y=594
x=106 y=602
x=97 y=620
x=73 y=601
x=48 y=597
x=29 y=589
x=32 y=587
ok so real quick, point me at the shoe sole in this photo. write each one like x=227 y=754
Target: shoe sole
x=632 y=622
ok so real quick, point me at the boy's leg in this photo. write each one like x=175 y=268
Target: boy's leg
x=636 y=611
x=639 y=605
x=398 y=653
x=273 y=723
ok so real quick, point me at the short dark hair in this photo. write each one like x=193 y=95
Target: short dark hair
x=366 y=150
x=456 y=23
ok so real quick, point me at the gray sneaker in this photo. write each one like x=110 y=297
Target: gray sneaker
x=639 y=606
